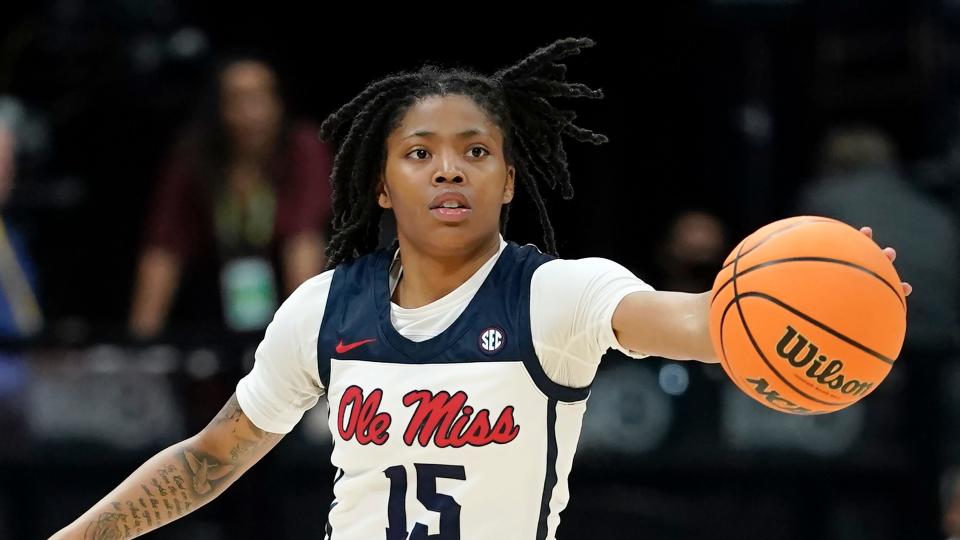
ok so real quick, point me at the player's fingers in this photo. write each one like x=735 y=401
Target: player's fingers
x=867 y=231
x=890 y=253
x=907 y=288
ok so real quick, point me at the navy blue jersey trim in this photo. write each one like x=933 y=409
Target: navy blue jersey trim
x=551 y=389
x=424 y=352
x=550 y=476
x=327 y=326
x=329 y=527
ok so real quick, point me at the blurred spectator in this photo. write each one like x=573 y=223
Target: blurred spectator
x=20 y=314
x=692 y=252
x=244 y=201
x=951 y=517
x=861 y=184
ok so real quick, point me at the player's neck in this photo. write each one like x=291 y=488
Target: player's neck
x=428 y=278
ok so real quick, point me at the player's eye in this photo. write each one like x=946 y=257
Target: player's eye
x=479 y=152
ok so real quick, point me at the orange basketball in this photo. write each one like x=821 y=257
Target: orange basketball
x=807 y=315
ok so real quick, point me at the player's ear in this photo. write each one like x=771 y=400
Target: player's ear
x=383 y=193
x=508 y=187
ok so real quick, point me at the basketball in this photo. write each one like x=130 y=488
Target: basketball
x=807 y=315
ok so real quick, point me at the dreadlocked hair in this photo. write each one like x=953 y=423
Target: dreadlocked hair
x=518 y=100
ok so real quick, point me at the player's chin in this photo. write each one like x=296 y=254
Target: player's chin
x=453 y=238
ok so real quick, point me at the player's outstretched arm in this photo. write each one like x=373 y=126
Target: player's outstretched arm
x=676 y=325
x=177 y=480
x=664 y=323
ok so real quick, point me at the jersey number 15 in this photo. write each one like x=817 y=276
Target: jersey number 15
x=445 y=505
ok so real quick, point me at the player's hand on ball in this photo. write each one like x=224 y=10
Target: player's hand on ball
x=892 y=255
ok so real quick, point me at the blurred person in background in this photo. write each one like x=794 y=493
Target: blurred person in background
x=951 y=518
x=694 y=247
x=860 y=181
x=20 y=314
x=241 y=209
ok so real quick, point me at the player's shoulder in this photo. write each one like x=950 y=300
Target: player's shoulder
x=309 y=297
x=318 y=283
x=549 y=269
x=572 y=268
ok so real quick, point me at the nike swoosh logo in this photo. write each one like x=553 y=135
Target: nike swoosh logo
x=342 y=348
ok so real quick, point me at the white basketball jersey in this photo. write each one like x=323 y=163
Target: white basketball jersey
x=461 y=436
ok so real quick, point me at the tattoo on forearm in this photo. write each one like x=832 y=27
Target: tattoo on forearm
x=177 y=489
x=172 y=483
x=205 y=470
x=117 y=525
x=156 y=484
x=134 y=512
x=233 y=414
x=109 y=526
x=146 y=513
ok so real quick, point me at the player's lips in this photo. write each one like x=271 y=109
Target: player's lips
x=450 y=199
x=450 y=206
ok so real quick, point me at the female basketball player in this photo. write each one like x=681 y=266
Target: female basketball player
x=456 y=367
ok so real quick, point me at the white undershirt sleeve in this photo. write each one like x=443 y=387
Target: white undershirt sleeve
x=285 y=382
x=572 y=302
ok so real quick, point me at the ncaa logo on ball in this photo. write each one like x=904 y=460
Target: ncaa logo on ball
x=492 y=340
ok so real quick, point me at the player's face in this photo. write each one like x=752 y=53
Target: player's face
x=446 y=177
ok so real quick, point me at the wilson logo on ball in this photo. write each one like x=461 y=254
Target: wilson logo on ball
x=829 y=374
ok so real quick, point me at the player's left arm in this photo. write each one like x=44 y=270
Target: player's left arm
x=676 y=325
